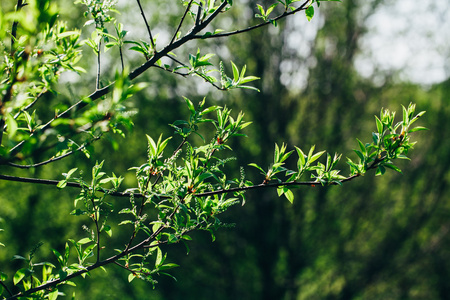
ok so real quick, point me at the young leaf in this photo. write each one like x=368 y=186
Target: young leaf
x=20 y=274
x=418 y=128
x=309 y=12
x=289 y=195
x=316 y=156
x=159 y=257
x=235 y=72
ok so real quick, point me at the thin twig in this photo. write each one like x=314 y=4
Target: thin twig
x=69 y=184
x=95 y=217
x=204 y=194
x=78 y=105
x=44 y=90
x=199 y=12
x=97 y=82
x=181 y=22
x=143 y=244
x=195 y=72
x=6 y=287
x=97 y=265
x=148 y=27
x=205 y=23
x=225 y=34
x=141 y=69
x=20 y=4
x=121 y=58
x=53 y=159
x=8 y=93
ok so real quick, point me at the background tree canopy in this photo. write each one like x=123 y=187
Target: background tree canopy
x=370 y=239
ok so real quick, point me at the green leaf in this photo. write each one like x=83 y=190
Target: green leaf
x=301 y=156
x=261 y=9
x=418 y=128
x=12 y=125
x=362 y=147
x=20 y=274
x=190 y=105
x=3 y=277
x=405 y=115
x=375 y=138
x=280 y=191
x=168 y=266
x=360 y=155
x=393 y=167
x=235 y=72
x=270 y=9
x=248 y=87
x=59 y=257
x=258 y=167
x=19 y=257
x=151 y=146
x=380 y=171
x=108 y=230
x=309 y=12
x=316 y=156
x=68 y=33
x=159 y=257
x=289 y=195
x=379 y=125
x=53 y=294
x=156 y=226
x=243 y=80
x=206 y=57
x=84 y=241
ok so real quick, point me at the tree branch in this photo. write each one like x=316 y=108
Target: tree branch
x=146 y=24
x=69 y=184
x=6 y=287
x=150 y=63
x=187 y=74
x=97 y=82
x=284 y=15
x=53 y=159
x=143 y=244
x=132 y=75
x=181 y=22
x=204 y=194
x=20 y=4
x=44 y=90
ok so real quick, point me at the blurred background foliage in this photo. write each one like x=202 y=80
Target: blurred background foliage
x=373 y=238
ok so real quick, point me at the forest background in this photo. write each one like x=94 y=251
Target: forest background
x=374 y=238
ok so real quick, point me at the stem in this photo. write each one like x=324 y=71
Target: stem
x=205 y=194
x=97 y=84
x=112 y=259
x=146 y=24
x=132 y=75
x=53 y=158
x=98 y=231
x=285 y=14
x=181 y=21
x=187 y=74
x=121 y=57
x=150 y=63
x=69 y=184
x=8 y=93
x=14 y=27
x=98 y=264
x=32 y=103
x=5 y=287
x=197 y=18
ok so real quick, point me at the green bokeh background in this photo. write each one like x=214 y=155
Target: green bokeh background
x=373 y=238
